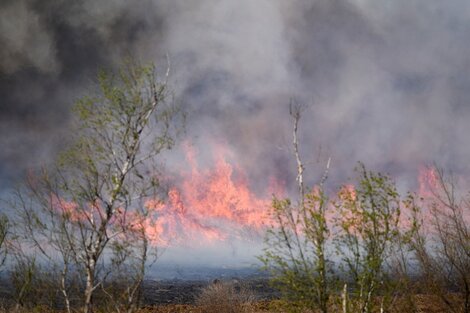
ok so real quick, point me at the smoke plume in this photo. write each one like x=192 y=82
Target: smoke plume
x=385 y=83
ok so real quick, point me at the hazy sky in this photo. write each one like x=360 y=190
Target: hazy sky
x=386 y=82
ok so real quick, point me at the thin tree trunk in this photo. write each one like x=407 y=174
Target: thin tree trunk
x=63 y=287
x=345 y=298
x=89 y=288
x=467 y=299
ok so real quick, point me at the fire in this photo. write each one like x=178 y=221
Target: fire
x=216 y=203
x=213 y=203
x=428 y=182
x=442 y=199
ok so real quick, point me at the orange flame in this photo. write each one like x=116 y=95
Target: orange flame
x=216 y=203
x=213 y=204
x=428 y=182
x=210 y=204
x=435 y=201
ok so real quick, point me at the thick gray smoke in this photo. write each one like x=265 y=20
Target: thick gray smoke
x=385 y=82
x=49 y=56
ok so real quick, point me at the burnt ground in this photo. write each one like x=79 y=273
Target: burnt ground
x=185 y=292
x=180 y=286
x=178 y=295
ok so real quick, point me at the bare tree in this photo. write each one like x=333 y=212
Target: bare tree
x=442 y=245
x=295 y=251
x=90 y=199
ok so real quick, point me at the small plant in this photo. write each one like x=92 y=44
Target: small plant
x=225 y=297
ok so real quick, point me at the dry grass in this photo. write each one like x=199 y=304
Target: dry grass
x=225 y=297
x=253 y=307
x=228 y=298
x=422 y=304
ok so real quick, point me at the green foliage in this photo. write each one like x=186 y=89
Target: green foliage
x=295 y=251
x=366 y=228
x=92 y=202
x=441 y=243
x=368 y=235
x=22 y=277
x=111 y=124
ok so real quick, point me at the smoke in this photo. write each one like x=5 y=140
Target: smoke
x=385 y=83
x=51 y=52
